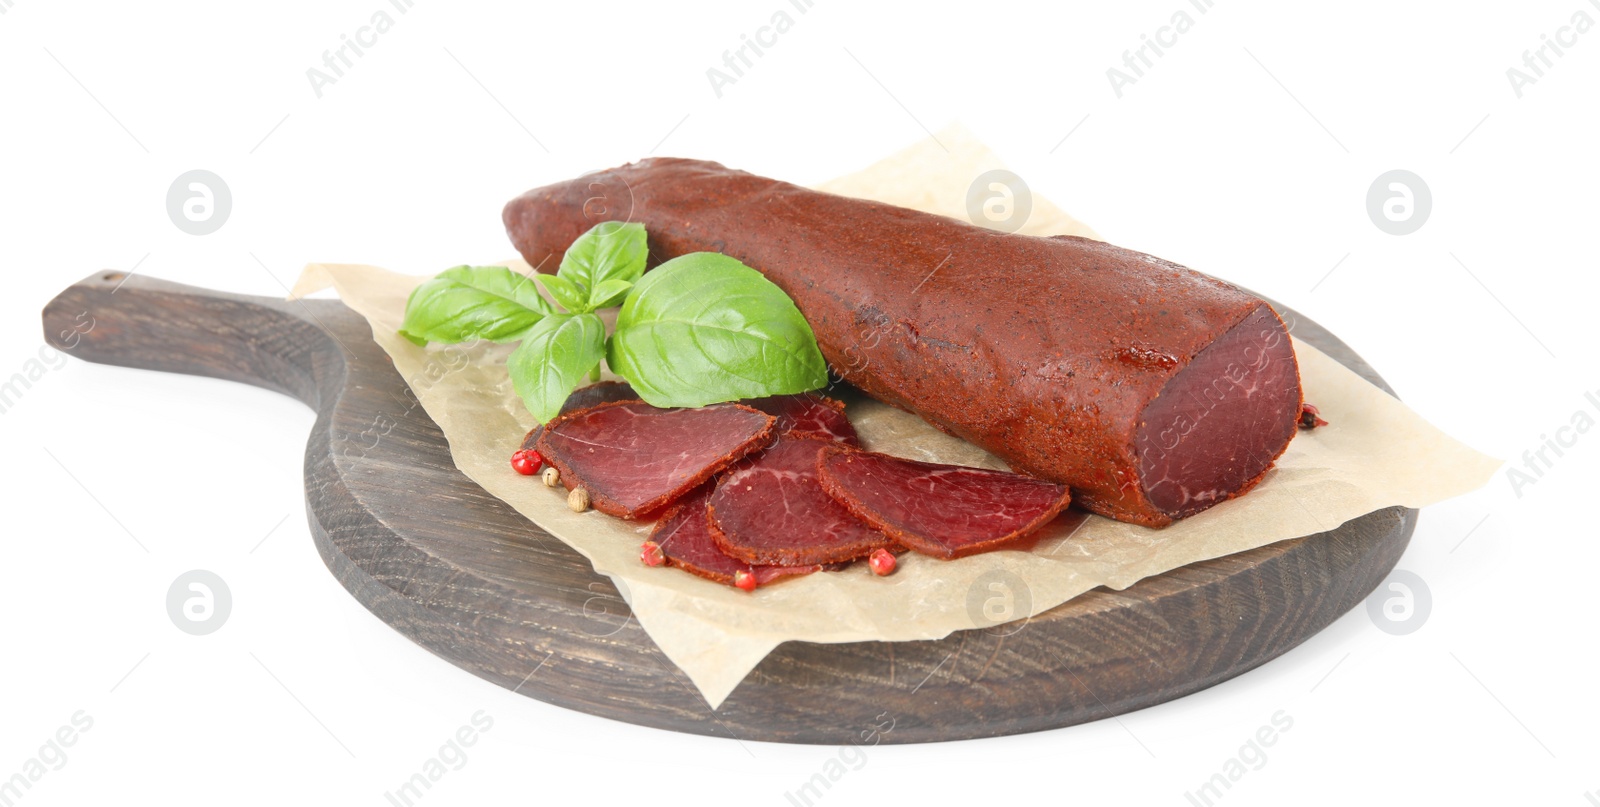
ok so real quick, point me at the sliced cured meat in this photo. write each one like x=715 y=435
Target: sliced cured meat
x=808 y=415
x=947 y=511
x=583 y=398
x=634 y=458
x=771 y=510
x=685 y=539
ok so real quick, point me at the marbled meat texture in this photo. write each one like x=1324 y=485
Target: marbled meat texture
x=947 y=511
x=772 y=510
x=634 y=458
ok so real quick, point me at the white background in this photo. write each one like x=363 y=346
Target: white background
x=1245 y=151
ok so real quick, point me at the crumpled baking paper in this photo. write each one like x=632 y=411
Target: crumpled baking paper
x=1376 y=453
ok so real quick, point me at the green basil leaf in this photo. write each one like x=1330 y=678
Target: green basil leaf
x=609 y=292
x=610 y=250
x=568 y=295
x=473 y=302
x=553 y=359
x=704 y=328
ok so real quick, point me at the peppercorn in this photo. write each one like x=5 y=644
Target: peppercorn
x=744 y=580
x=1310 y=417
x=526 y=462
x=882 y=562
x=651 y=554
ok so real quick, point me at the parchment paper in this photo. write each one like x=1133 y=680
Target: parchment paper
x=1377 y=453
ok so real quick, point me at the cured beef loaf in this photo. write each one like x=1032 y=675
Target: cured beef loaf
x=1152 y=390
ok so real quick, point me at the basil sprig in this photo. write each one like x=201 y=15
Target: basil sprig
x=554 y=358
x=701 y=329
x=599 y=267
x=705 y=328
x=468 y=303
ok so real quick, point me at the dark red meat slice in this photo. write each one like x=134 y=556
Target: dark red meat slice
x=947 y=511
x=634 y=458
x=771 y=510
x=685 y=538
x=808 y=415
x=583 y=398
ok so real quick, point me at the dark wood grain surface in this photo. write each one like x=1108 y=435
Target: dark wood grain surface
x=467 y=577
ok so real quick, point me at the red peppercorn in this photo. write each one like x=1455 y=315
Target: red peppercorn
x=1310 y=417
x=526 y=462
x=744 y=580
x=651 y=554
x=882 y=562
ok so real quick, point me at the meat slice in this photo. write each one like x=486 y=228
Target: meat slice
x=583 y=398
x=634 y=458
x=685 y=539
x=948 y=511
x=808 y=414
x=771 y=510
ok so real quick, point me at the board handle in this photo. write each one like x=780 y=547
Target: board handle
x=136 y=321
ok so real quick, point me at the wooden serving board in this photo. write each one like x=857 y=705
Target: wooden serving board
x=473 y=581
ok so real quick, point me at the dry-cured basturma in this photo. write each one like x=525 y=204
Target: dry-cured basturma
x=771 y=510
x=633 y=459
x=685 y=540
x=1152 y=390
x=947 y=511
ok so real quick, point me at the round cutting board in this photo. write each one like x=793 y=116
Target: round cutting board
x=473 y=581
